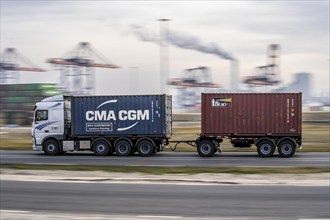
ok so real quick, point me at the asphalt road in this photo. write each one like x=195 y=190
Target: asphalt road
x=284 y=202
x=169 y=159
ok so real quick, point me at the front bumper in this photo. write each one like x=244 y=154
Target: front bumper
x=35 y=146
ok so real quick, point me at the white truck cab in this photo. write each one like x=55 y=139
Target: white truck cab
x=48 y=124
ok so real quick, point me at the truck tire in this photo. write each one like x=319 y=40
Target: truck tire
x=51 y=147
x=101 y=148
x=123 y=148
x=206 y=148
x=266 y=148
x=145 y=148
x=286 y=148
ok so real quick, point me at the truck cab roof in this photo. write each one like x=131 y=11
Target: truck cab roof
x=56 y=98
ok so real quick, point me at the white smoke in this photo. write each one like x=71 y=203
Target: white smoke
x=183 y=41
x=143 y=34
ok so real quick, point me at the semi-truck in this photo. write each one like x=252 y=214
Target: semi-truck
x=143 y=123
x=103 y=124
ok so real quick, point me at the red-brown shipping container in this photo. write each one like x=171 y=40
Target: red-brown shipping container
x=248 y=118
x=251 y=114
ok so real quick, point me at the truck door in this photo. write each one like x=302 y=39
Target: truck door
x=48 y=121
x=40 y=122
x=56 y=116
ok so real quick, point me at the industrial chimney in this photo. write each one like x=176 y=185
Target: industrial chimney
x=234 y=75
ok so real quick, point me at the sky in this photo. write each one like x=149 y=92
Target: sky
x=241 y=29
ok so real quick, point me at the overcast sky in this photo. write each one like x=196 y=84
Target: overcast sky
x=243 y=29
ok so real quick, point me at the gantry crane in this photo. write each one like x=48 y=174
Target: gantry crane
x=193 y=82
x=77 y=69
x=10 y=66
x=194 y=77
x=267 y=75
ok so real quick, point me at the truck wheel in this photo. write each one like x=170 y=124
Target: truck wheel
x=123 y=148
x=145 y=148
x=205 y=148
x=51 y=147
x=101 y=148
x=265 y=148
x=286 y=148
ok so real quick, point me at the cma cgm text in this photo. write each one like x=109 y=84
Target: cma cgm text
x=131 y=115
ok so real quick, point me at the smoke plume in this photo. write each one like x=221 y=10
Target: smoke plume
x=181 y=40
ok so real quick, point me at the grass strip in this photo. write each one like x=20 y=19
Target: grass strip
x=173 y=170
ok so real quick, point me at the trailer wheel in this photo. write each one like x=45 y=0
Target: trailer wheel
x=266 y=148
x=51 y=147
x=205 y=148
x=145 y=148
x=286 y=148
x=123 y=148
x=101 y=148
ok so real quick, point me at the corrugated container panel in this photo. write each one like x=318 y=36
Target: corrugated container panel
x=145 y=115
x=12 y=117
x=251 y=114
x=17 y=99
x=50 y=92
x=2 y=114
x=3 y=106
x=32 y=86
x=3 y=99
x=19 y=87
x=22 y=97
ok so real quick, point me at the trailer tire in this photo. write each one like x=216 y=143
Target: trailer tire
x=266 y=148
x=51 y=147
x=145 y=148
x=206 y=148
x=101 y=148
x=123 y=148
x=286 y=148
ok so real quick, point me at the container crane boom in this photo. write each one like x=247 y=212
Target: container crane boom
x=77 y=68
x=266 y=75
x=79 y=62
x=12 y=63
x=5 y=66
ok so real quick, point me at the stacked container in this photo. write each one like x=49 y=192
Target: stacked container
x=17 y=101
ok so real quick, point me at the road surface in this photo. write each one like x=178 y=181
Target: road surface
x=231 y=159
x=264 y=202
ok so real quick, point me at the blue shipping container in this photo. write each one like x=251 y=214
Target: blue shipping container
x=140 y=115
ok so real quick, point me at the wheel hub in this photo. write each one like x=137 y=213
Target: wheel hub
x=51 y=147
x=265 y=148
x=205 y=149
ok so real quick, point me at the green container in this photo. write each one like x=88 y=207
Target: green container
x=50 y=93
x=18 y=100
x=48 y=86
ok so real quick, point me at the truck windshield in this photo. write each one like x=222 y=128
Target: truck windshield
x=41 y=115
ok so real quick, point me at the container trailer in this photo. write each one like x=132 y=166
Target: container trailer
x=266 y=120
x=103 y=124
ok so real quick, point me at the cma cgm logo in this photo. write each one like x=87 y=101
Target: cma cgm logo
x=122 y=115
x=131 y=115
